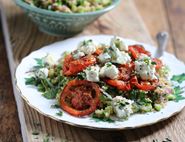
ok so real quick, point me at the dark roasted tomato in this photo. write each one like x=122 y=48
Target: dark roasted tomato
x=72 y=66
x=158 y=62
x=120 y=85
x=136 y=50
x=80 y=97
x=143 y=85
x=125 y=71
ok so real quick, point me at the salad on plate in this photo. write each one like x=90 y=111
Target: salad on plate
x=105 y=81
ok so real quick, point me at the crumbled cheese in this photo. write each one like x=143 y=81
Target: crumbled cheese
x=88 y=47
x=92 y=73
x=49 y=59
x=120 y=57
x=122 y=107
x=144 y=68
x=119 y=44
x=78 y=54
x=109 y=70
x=104 y=57
x=42 y=73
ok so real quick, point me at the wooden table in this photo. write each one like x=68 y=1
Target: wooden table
x=158 y=15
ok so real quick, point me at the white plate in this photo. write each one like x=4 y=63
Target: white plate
x=43 y=105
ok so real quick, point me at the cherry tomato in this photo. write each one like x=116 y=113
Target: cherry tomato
x=158 y=62
x=143 y=85
x=72 y=66
x=80 y=97
x=121 y=85
x=135 y=50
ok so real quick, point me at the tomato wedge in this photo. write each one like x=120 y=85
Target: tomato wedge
x=121 y=85
x=136 y=50
x=80 y=97
x=158 y=62
x=143 y=85
x=72 y=66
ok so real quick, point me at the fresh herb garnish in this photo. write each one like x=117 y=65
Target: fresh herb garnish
x=40 y=63
x=55 y=106
x=60 y=113
x=179 y=78
x=97 y=119
x=166 y=140
x=177 y=93
x=31 y=81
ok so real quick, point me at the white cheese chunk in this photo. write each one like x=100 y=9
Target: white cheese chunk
x=122 y=107
x=122 y=58
x=49 y=59
x=109 y=70
x=92 y=73
x=144 y=68
x=104 y=57
x=88 y=47
x=122 y=46
x=78 y=54
x=42 y=73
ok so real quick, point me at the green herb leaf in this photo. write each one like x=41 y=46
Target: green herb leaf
x=60 y=113
x=55 y=106
x=50 y=93
x=179 y=78
x=102 y=119
x=177 y=93
x=31 y=81
x=40 y=63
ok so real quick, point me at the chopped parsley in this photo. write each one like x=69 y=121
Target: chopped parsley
x=179 y=78
x=60 y=113
x=177 y=93
x=96 y=119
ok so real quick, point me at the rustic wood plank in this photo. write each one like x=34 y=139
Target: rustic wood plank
x=176 y=17
x=155 y=17
x=9 y=123
x=131 y=26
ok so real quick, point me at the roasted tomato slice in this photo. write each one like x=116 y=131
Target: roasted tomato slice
x=158 y=62
x=135 y=50
x=72 y=66
x=125 y=71
x=80 y=97
x=121 y=85
x=143 y=85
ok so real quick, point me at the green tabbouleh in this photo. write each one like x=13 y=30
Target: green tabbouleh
x=70 y=6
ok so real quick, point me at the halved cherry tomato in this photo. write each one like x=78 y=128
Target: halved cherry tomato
x=135 y=50
x=125 y=71
x=143 y=85
x=158 y=62
x=80 y=97
x=72 y=66
x=121 y=85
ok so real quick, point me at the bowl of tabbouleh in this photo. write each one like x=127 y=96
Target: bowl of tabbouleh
x=65 y=17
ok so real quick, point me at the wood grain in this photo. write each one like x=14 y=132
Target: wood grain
x=9 y=123
x=176 y=16
x=123 y=21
